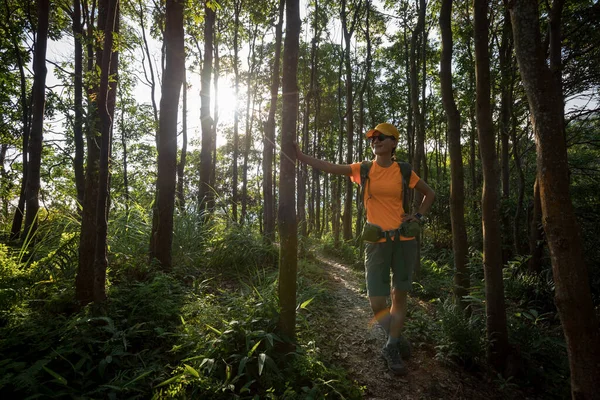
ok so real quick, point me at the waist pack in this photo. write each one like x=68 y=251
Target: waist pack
x=373 y=233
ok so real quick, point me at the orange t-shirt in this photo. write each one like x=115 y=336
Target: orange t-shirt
x=383 y=195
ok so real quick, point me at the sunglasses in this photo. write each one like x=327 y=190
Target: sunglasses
x=381 y=137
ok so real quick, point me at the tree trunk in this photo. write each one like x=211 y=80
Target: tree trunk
x=536 y=232
x=206 y=198
x=17 y=221
x=125 y=160
x=84 y=281
x=517 y=223
x=217 y=69
x=32 y=189
x=106 y=107
x=151 y=80
x=497 y=333
x=269 y=138
x=182 y=160
x=414 y=92
x=162 y=238
x=78 y=98
x=348 y=32
x=236 y=114
x=249 y=123
x=288 y=228
x=506 y=101
x=572 y=294
x=457 y=188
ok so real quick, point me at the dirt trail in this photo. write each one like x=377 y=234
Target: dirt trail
x=358 y=346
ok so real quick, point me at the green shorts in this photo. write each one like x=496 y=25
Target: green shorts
x=399 y=257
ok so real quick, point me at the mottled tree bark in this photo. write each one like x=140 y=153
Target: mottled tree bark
x=237 y=5
x=162 y=238
x=288 y=228
x=206 y=197
x=457 y=187
x=269 y=138
x=32 y=189
x=180 y=196
x=106 y=108
x=497 y=333
x=572 y=295
x=78 y=99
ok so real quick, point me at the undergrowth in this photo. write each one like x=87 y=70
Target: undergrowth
x=206 y=329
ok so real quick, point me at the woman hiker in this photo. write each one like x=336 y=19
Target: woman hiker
x=389 y=249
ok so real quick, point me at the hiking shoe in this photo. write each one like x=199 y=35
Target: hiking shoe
x=391 y=355
x=405 y=347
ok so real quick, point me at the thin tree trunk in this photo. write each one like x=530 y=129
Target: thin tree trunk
x=249 y=123
x=506 y=99
x=497 y=333
x=184 y=139
x=348 y=32
x=206 y=198
x=414 y=92
x=84 y=281
x=106 y=102
x=78 y=98
x=269 y=138
x=457 y=188
x=17 y=221
x=236 y=115
x=288 y=228
x=125 y=161
x=217 y=69
x=167 y=152
x=150 y=79
x=536 y=232
x=572 y=295
x=32 y=188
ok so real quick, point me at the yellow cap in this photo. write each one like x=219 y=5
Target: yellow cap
x=386 y=129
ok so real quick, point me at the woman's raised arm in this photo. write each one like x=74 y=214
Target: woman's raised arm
x=325 y=166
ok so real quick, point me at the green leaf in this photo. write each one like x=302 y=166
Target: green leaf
x=306 y=303
x=137 y=378
x=261 y=363
x=242 y=365
x=56 y=376
x=254 y=348
x=191 y=371
x=215 y=330
x=170 y=380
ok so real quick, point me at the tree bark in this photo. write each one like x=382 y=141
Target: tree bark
x=84 y=281
x=348 y=32
x=497 y=333
x=572 y=294
x=17 y=222
x=236 y=114
x=269 y=138
x=32 y=189
x=414 y=93
x=536 y=232
x=288 y=228
x=206 y=198
x=167 y=151
x=106 y=107
x=184 y=139
x=78 y=99
x=506 y=101
x=457 y=188
x=249 y=123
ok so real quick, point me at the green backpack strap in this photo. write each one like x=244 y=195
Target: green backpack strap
x=406 y=171
x=365 y=167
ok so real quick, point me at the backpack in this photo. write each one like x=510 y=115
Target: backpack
x=405 y=170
